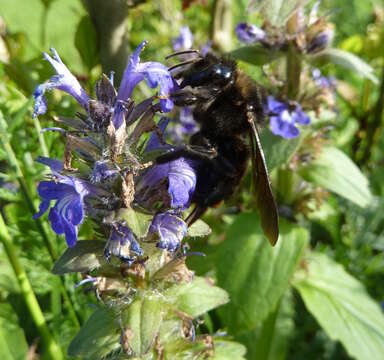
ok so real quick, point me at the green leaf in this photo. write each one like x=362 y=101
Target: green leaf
x=347 y=60
x=199 y=229
x=270 y=341
x=228 y=350
x=85 y=256
x=13 y=345
x=255 y=54
x=86 y=42
x=343 y=308
x=277 y=12
x=138 y=222
x=278 y=151
x=197 y=297
x=97 y=337
x=8 y=195
x=143 y=318
x=336 y=172
x=254 y=273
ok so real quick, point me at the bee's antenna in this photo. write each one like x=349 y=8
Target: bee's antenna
x=192 y=51
x=191 y=61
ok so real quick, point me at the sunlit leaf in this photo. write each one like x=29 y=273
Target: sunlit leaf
x=270 y=340
x=197 y=297
x=347 y=60
x=336 y=172
x=85 y=256
x=228 y=350
x=278 y=151
x=343 y=308
x=254 y=273
x=255 y=54
x=142 y=319
x=199 y=229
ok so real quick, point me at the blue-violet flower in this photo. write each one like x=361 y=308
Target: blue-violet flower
x=122 y=243
x=170 y=230
x=171 y=183
x=63 y=80
x=284 y=117
x=249 y=33
x=153 y=72
x=69 y=192
x=184 y=41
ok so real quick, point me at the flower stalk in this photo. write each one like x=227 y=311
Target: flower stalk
x=293 y=61
x=13 y=162
x=53 y=350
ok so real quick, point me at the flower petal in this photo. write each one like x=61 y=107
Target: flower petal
x=65 y=81
x=54 y=164
x=43 y=207
x=70 y=232
x=51 y=190
x=284 y=129
x=249 y=33
x=56 y=221
x=170 y=229
x=184 y=41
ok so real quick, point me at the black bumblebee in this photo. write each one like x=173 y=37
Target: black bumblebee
x=228 y=106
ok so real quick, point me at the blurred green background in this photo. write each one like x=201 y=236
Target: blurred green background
x=340 y=229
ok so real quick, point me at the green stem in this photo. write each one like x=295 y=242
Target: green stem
x=375 y=127
x=43 y=145
x=109 y=19
x=221 y=25
x=51 y=346
x=13 y=162
x=293 y=62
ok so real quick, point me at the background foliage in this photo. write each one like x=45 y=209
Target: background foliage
x=318 y=293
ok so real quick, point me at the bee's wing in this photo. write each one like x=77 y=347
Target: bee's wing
x=262 y=187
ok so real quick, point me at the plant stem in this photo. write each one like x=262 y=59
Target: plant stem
x=13 y=162
x=374 y=128
x=51 y=346
x=293 y=62
x=109 y=19
x=43 y=145
x=221 y=25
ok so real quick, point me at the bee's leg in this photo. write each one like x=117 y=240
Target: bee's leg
x=188 y=152
x=196 y=213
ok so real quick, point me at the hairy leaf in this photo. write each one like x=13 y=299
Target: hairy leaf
x=254 y=273
x=336 y=172
x=343 y=308
x=197 y=297
x=86 y=255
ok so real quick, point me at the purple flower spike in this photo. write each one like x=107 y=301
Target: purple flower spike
x=184 y=41
x=64 y=81
x=155 y=73
x=283 y=118
x=68 y=212
x=170 y=229
x=171 y=183
x=122 y=243
x=249 y=34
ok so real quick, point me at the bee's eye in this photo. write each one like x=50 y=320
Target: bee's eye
x=223 y=72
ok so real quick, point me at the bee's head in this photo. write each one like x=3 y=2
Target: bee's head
x=210 y=71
